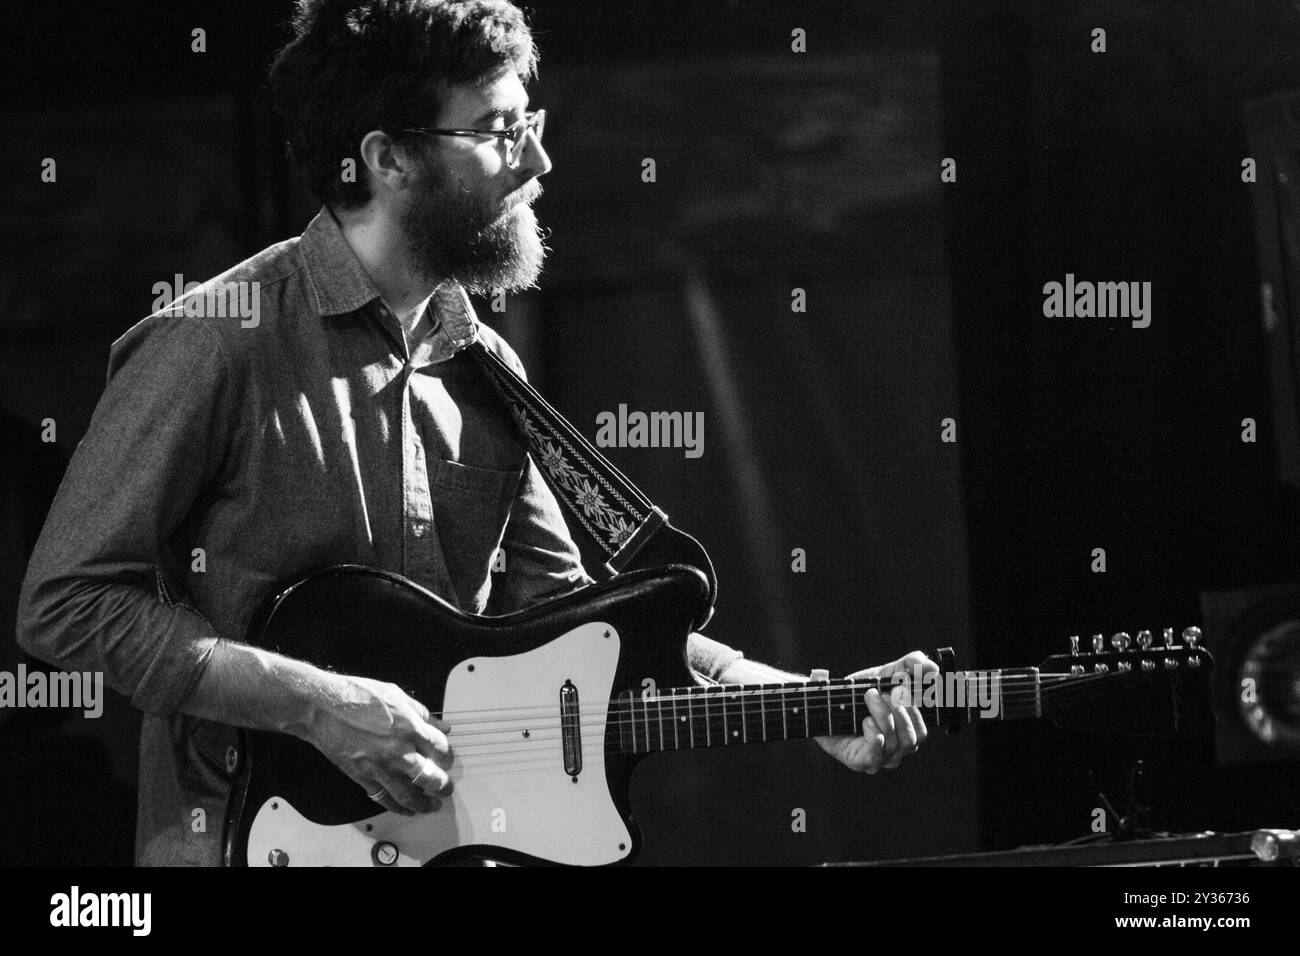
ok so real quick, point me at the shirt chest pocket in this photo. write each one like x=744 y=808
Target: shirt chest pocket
x=471 y=506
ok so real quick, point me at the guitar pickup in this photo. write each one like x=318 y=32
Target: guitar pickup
x=571 y=729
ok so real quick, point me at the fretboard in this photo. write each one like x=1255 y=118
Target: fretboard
x=729 y=714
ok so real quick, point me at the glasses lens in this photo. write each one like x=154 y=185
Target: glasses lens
x=536 y=122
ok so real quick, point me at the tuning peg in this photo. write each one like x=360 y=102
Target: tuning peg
x=1169 y=637
x=1098 y=643
x=1144 y=640
x=1192 y=636
x=1074 y=645
x=1121 y=641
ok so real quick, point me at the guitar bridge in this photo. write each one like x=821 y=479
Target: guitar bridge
x=571 y=729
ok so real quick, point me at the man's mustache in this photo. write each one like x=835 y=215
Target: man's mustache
x=525 y=195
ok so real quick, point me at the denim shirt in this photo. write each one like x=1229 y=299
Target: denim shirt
x=227 y=455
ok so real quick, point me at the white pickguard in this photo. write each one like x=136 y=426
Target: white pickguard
x=510 y=790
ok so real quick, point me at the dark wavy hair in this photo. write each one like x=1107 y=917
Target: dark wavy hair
x=358 y=65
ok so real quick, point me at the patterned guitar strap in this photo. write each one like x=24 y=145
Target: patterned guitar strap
x=626 y=525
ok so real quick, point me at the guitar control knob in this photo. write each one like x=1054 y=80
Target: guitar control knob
x=1098 y=643
x=1124 y=666
x=1171 y=664
x=1101 y=668
x=1144 y=640
x=1076 y=669
x=1193 y=661
x=384 y=853
x=1169 y=637
x=1148 y=666
x=1121 y=641
x=1192 y=636
x=277 y=857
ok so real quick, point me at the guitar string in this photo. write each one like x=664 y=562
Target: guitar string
x=648 y=709
x=620 y=717
x=552 y=735
x=815 y=700
x=695 y=694
x=719 y=690
x=477 y=754
x=483 y=763
x=853 y=687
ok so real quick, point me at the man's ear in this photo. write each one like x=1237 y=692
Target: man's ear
x=385 y=162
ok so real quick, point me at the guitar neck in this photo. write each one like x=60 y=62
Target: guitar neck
x=729 y=714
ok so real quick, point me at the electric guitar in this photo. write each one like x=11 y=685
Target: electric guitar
x=552 y=708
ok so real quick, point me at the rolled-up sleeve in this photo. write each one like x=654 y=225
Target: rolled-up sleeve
x=708 y=657
x=94 y=597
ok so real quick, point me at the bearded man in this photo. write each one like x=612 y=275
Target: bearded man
x=342 y=426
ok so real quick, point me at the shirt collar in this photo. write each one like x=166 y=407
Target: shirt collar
x=337 y=279
x=340 y=284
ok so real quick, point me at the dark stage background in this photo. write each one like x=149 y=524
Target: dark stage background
x=775 y=170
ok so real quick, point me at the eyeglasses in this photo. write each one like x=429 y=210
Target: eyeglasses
x=512 y=135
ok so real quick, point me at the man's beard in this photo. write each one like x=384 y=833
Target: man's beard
x=456 y=236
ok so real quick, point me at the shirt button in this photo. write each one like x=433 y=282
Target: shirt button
x=232 y=759
x=417 y=529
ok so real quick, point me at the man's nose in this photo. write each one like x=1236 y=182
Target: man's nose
x=533 y=161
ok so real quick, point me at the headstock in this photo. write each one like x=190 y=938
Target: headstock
x=1137 y=685
x=1141 y=654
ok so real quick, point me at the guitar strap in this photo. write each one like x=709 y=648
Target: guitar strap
x=613 y=512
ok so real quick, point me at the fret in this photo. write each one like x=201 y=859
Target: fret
x=708 y=730
x=853 y=702
x=626 y=727
x=690 y=713
x=659 y=706
x=699 y=718
x=676 y=743
x=634 y=711
x=756 y=712
x=645 y=706
x=830 y=712
x=783 y=696
x=744 y=731
x=726 y=735
x=721 y=709
x=839 y=712
x=807 y=730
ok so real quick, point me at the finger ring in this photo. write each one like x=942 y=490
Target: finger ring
x=416 y=778
x=377 y=795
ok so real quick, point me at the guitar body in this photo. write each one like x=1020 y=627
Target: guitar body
x=530 y=784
